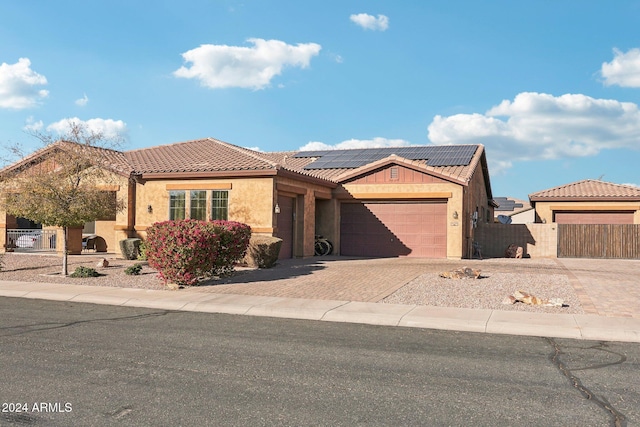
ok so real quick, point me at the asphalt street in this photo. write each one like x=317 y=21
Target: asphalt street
x=67 y=363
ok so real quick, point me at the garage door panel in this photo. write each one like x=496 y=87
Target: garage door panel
x=416 y=229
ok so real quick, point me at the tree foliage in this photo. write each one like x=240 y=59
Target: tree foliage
x=63 y=184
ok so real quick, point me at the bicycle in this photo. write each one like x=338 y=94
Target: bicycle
x=322 y=246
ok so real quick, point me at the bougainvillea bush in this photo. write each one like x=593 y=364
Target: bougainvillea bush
x=186 y=250
x=234 y=241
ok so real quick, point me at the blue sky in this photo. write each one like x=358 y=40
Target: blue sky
x=551 y=88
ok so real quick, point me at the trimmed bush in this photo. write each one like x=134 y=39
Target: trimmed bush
x=85 y=272
x=130 y=248
x=133 y=270
x=142 y=248
x=263 y=251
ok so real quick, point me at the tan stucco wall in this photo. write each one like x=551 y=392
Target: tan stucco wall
x=250 y=200
x=544 y=210
x=537 y=240
x=475 y=197
x=307 y=195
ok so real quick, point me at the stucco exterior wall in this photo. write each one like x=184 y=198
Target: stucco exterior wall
x=309 y=217
x=545 y=210
x=250 y=201
x=537 y=240
x=476 y=199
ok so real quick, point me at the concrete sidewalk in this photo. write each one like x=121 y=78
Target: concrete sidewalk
x=588 y=327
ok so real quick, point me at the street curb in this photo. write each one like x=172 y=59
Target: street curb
x=585 y=327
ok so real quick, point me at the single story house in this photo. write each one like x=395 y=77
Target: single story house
x=419 y=201
x=588 y=201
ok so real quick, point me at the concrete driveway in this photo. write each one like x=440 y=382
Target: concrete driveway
x=604 y=287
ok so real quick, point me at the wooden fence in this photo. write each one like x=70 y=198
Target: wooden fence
x=599 y=241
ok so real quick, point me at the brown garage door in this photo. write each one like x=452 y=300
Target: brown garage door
x=598 y=217
x=415 y=229
x=285 y=226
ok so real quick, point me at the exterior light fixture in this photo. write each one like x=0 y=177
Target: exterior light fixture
x=149 y=208
x=455 y=214
x=276 y=208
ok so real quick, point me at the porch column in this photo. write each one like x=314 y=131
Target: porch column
x=74 y=241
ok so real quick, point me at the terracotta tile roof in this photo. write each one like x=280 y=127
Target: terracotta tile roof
x=203 y=155
x=210 y=155
x=111 y=159
x=588 y=189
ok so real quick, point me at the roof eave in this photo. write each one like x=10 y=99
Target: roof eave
x=285 y=173
x=534 y=199
x=253 y=173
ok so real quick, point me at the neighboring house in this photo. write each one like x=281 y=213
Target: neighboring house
x=588 y=202
x=520 y=211
x=422 y=201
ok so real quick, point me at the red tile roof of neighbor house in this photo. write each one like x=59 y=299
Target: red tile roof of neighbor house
x=588 y=189
x=112 y=160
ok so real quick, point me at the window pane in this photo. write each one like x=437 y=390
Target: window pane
x=219 y=205
x=198 y=205
x=176 y=205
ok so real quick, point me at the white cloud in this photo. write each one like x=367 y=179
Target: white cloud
x=31 y=125
x=377 y=142
x=110 y=129
x=623 y=70
x=18 y=85
x=540 y=126
x=221 y=66
x=370 y=22
x=82 y=101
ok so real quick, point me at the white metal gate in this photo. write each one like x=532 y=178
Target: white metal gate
x=31 y=240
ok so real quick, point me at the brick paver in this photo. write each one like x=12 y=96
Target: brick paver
x=611 y=286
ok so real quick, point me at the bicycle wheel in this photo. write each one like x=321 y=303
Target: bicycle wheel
x=321 y=248
x=330 y=251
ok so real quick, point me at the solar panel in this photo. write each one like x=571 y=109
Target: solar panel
x=437 y=155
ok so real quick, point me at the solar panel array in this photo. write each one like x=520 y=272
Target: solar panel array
x=436 y=155
x=506 y=204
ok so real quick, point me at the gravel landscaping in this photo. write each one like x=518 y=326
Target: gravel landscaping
x=498 y=280
x=46 y=268
x=488 y=292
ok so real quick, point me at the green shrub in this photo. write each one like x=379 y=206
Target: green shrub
x=263 y=251
x=133 y=270
x=142 y=249
x=130 y=248
x=85 y=272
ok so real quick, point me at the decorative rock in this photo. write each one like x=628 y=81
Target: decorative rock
x=103 y=263
x=523 y=297
x=461 y=273
x=514 y=251
x=173 y=286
